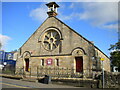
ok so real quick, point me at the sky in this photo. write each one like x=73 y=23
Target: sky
x=96 y=21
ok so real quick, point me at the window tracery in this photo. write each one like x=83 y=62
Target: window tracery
x=51 y=39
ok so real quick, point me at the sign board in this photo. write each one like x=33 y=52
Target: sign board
x=49 y=61
x=9 y=56
x=102 y=59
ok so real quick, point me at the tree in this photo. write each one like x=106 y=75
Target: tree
x=13 y=51
x=115 y=47
x=115 y=55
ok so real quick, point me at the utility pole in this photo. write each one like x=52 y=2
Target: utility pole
x=103 y=79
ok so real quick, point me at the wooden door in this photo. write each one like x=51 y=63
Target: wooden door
x=79 y=64
x=26 y=64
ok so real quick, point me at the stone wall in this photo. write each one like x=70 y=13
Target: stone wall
x=112 y=80
x=106 y=62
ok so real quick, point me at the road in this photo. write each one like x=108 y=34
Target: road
x=7 y=84
x=12 y=83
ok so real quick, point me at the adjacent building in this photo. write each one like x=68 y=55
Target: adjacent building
x=6 y=60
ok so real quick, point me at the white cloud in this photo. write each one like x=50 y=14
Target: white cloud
x=65 y=17
x=111 y=26
x=39 y=13
x=99 y=14
x=4 y=40
x=62 y=12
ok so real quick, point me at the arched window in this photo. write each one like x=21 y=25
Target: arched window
x=56 y=62
x=51 y=39
x=42 y=62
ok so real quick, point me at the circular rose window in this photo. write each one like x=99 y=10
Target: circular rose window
x=51 y=39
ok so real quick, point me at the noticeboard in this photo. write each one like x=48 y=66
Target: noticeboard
x=49 y=61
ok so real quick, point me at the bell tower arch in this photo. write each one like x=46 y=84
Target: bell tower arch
x=52 y=9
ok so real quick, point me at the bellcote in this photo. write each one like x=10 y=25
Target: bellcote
x=52 y=9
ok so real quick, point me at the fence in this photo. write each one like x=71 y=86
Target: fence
x=8 y=70
x=53 y=72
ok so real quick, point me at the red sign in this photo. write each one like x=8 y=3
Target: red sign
x=49 y=61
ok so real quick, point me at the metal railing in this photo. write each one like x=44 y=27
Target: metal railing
x=58 y=72
x=8 y=70
x=53 y=72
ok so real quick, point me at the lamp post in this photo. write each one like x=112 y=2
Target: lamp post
x=102 y=59
x=3 y=57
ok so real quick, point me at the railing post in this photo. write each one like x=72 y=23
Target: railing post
x=54 y=71
x=37 y=72
x=23 y=72
x=83 y=73
x=30 y=71
x=67 y=72
x=58 y=69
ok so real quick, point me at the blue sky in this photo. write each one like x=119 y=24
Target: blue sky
x=95 y=21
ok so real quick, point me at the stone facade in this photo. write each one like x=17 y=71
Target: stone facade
x=43 y=49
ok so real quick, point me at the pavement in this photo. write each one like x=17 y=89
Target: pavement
x=12 y=83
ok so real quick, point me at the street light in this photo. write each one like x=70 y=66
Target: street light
x=102 y=59
x=5 y=63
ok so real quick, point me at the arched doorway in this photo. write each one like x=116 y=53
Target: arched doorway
x=78 y=54
x=26 y=60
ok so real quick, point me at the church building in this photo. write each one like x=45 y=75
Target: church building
x=56 y=46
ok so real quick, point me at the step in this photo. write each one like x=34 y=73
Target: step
x=29 y=79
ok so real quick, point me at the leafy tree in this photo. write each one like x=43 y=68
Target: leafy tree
x=115 y=47
x=13 y=51
x=115 y=55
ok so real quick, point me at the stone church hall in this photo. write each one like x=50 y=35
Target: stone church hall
x=56 y=50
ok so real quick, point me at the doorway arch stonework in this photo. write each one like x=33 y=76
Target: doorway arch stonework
x=26 y=61
x=79 y=53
